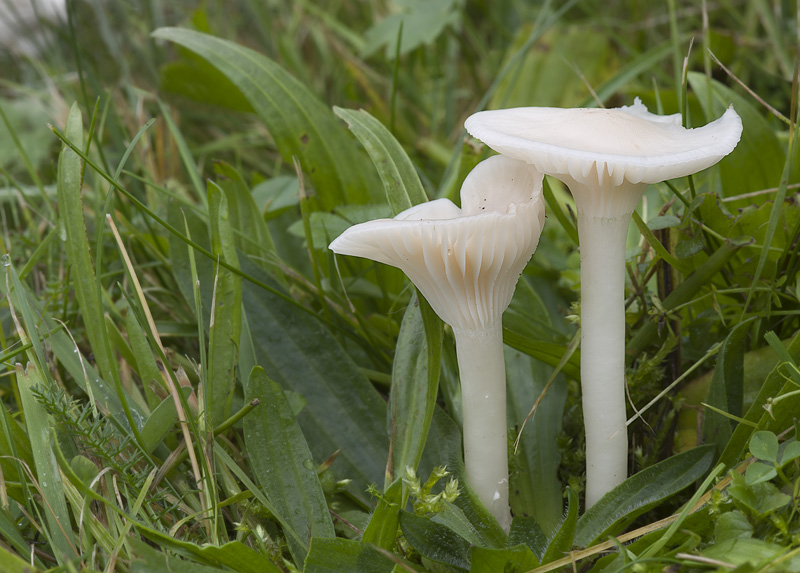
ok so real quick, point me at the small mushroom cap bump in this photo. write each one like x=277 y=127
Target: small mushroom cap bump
x=466 y=261
x=606 y=146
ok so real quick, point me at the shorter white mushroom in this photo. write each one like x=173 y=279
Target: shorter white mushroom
x=466 y=262
x=606 y=157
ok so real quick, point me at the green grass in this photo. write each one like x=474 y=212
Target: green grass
x=192 y=381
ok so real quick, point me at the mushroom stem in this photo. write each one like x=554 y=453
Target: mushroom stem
x=483 y=398
x=602 y=247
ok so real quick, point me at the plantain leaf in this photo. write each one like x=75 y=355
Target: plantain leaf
x=640 y=492
x=415 y=385
x=299 y=123
x=283 y=463
x=726 y=391
x=76 y=243
x=777 y=418
x=514 y=559
x=160 y=421
x=564 y=538
x=234 y=555
x=535 y=488
x=400 y=180
x=344 y=412
x=468 y=516
x=435 y=541
x=335 y=555
x=252 y=235
x=526 y=530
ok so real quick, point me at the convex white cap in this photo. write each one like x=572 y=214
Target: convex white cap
x=466 y=262
x=603 y=150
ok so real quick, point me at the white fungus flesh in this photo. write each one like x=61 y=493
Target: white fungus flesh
x=466 y=262
x=606 y=157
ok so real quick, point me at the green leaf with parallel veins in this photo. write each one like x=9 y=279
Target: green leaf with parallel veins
x=564 y=539
x=467 y=513
x=435 y=541
x=336 y=555
x=225 y=326
x=400 y=180
x=41 y=435
x=283 y=463
x=234 y=555
x=510 y=560
x=252 y=234
x=782 y=413
x=160 y=421
x=299 y=123
x=415 y=385
x=344 y=411
x=534 y=487
x=726 y=391
x=526 y=530
x=640 y=492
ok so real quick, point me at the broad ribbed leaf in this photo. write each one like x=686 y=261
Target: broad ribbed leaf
x=726 y=389
x=517 y=559
x=344 y=412
x=535 y=487
x=435 y=541
x=76 y=243
x=400 y=180
x=640 y=492
x=336 y=555
x=444 y=448
x=414 y=385
x=301 y=125
x=235 y=555
x=283 y=464
x=564 y=538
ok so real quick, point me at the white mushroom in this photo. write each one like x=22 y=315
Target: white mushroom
x=466 y=262
x=607 y=157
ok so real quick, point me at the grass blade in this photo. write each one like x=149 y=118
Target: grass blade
x=226 y=314
x=49 y=478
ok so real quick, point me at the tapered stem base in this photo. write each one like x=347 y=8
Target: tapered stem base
x=483 y=401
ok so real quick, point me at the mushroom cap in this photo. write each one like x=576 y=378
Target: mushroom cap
x=465 y=261
x=606 y=146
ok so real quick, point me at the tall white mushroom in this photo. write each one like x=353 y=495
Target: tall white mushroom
x=466 y=262
x=607 y=157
